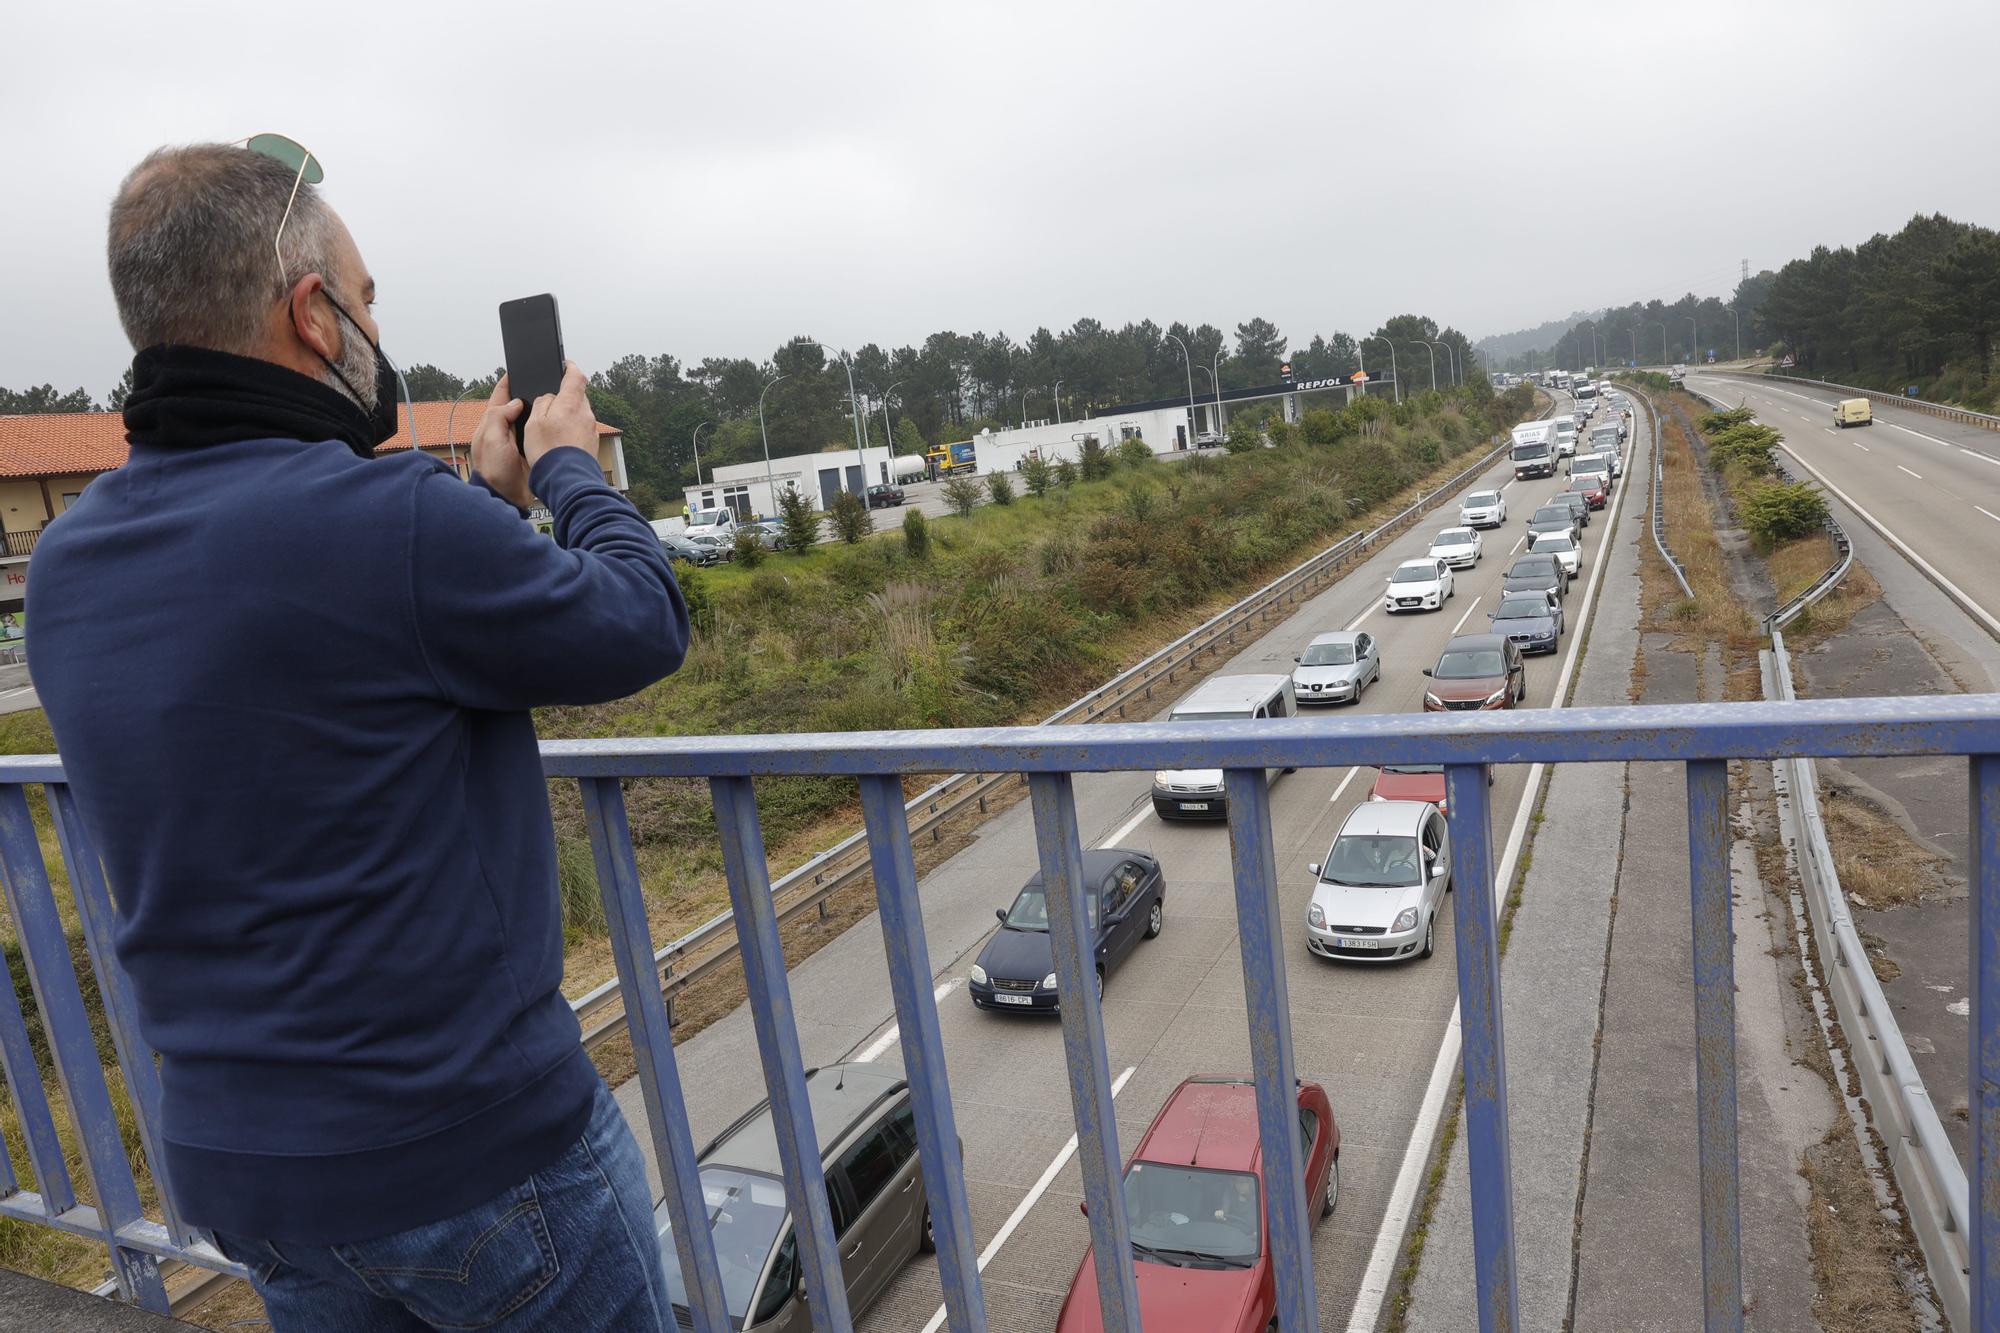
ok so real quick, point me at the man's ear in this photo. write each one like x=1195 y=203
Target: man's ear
x=314 y=322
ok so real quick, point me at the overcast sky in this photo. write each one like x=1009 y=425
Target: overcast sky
x=710 y=178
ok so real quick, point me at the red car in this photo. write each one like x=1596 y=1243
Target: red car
x=1590 y=485
x=1194 y=1196
x=1411 y=782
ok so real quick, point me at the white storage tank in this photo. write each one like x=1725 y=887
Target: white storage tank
x=909 y=467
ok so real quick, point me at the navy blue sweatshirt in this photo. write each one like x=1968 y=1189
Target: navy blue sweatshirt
x=291 y=689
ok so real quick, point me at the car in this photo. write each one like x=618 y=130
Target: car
x=1207 y=439
x=677 y=547
x=1200 y=793
x=1535 y=573
x=1592 y=486
x=1418 y=585
x=1532 y=620
x=1410 y=782
x=1853 y=412
x=884 y=497
x=1553 y=518
x=865 y=1120
x=1336 y=667
x=1459 y=548
x=1483 y=509
x=1563 y=547
x=1576 y=502
x=1126 y=901
x=711 y=522
x=723 y=545
x=1194 y=1200
x=1476 y=672
x=1606 y=461
x=1376 y=897
x=769 y=533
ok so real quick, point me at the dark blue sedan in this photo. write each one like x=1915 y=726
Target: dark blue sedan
x=1127 y=903
x=1532 y=619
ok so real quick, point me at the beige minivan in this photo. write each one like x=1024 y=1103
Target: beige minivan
x=881 y=1212
x=1852 y=412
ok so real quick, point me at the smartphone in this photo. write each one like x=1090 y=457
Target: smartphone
x=531 y=335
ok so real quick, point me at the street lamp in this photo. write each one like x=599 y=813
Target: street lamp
x=1664 y=359
x=695 y=436
x=888 y=434
x=860 y=422
x=451 y=441
x=1187 y=362
x=1452 y=354
x=1635 y=345
x=1694 y=341
x=1058 y=398
x=1738 y=324
x=1215 y=378
x=1395 y=379
x=770 y=487
x=1431 y=350
x=1024 y=406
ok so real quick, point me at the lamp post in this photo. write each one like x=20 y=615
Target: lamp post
x=695 y=437
x=1187 y=363
x=889 y=434
x=770 y=487
x=1430 y=349
x=1024 y=406
x=1635 y=346
x=1694 y=340
x=1215 y=378
x=451 y=441
x=1663 y=342
x=1451 y=355
x=1738 y=324
x=1058 y=398
x=860 y=422
x=1395 y=379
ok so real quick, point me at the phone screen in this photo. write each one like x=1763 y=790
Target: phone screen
x=531 y=335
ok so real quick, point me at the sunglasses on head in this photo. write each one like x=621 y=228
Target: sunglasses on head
x=298 y=157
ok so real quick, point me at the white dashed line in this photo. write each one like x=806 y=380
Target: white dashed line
x=1862 y=447
x=894 y=1034
x=1988 y=512
x=1467 y=616
x=1918 y=475
x=1342 y=787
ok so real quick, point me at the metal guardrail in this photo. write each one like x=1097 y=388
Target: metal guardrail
x=1703 y=738
x=1827 y=581
x=1946 y=411
x=712 y=944
x=1659 y=507
x=1926 y=1167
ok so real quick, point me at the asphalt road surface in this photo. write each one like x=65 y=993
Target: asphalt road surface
x=1176 y=1007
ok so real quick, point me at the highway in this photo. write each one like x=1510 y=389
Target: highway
x=1372 y=1034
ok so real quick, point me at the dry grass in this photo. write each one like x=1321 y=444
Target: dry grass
x=1880 y=864
x=1857 y=1258
x=1715 y=612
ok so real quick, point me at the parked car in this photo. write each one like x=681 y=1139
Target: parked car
x=1535 y=573
x=1554 y=517
x=685 y=548
x=1418 y=585
x=723 y=546
x=884 y=497
x=1336 y=667
x=1592 y=486
x=1476 y=672
x=1376 y=897
x=1533 y=621
x=1459 y=548
x=1563 y=547
x=1126 y=899
x=1483 y=509
x=1194 y=1199
x=769 y=533
x=866 y=1125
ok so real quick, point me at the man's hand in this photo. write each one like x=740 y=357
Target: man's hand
x=563 y=420
x=494 y=456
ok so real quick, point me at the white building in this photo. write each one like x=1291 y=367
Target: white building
x=753 y=488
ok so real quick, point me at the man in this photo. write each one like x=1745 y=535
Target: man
x=291 y=690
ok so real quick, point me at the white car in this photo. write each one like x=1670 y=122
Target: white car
x=1418 y=585
x=1562 y=546
x=1483 y=509
x=1457 y=547
x=1377 y=896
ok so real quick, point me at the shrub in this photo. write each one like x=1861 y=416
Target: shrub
x=1713 y=422
x=1282 y=433
x=999 y=488
x=749 y=552
x=1244 y=435
x=852 y=518
x=1065 y=473
x=1747 y=445
x=1095 y=462
x=916 y=535
x=1135 y=452
x=962 y=494
x=1037 y=475
x=1779 y=511
x=694 y=591
x=798 y=519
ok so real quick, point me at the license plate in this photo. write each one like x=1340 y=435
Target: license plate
x=1194 y=805
x=1345 y=943
x=1014 y=999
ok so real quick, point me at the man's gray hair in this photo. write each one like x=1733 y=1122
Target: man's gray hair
x=191 y=246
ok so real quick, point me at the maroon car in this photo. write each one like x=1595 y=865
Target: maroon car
x=1194 y=1197
x=1590 y=485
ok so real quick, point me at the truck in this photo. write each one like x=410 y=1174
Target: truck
x=946 y=459
x=1534 y=450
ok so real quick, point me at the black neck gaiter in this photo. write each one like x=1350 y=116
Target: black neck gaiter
x=188 y=397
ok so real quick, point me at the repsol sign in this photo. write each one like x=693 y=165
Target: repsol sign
x=1335 y=382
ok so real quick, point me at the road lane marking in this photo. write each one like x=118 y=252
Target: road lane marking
x=1862 y=447
x=1028 y=1202
x=1831 y=431
x=1129 y=825
x=1343 y=785
x=1382 y=1259
x=1518 y=544
x=1988 y=512
x=1918 y=475
x=1467 y=616
x=894 y=1034
x=1919 y=434
x=1984 y=458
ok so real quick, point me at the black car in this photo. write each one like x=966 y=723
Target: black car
x=1574 y=501
x=1535 y=573
x=1533 y=620
x=680 y=548
x=884 y=497
x=1554 y=517
x=1017 y=968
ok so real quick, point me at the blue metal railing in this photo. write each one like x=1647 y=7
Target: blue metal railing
x=1703 y=738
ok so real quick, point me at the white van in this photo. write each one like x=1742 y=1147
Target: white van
x=1196 y=793
x=1853 y=412
x=712 y=523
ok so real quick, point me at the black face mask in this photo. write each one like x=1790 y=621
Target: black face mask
x=382 y=423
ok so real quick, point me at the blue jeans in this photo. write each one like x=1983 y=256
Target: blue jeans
x=571 y=1249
